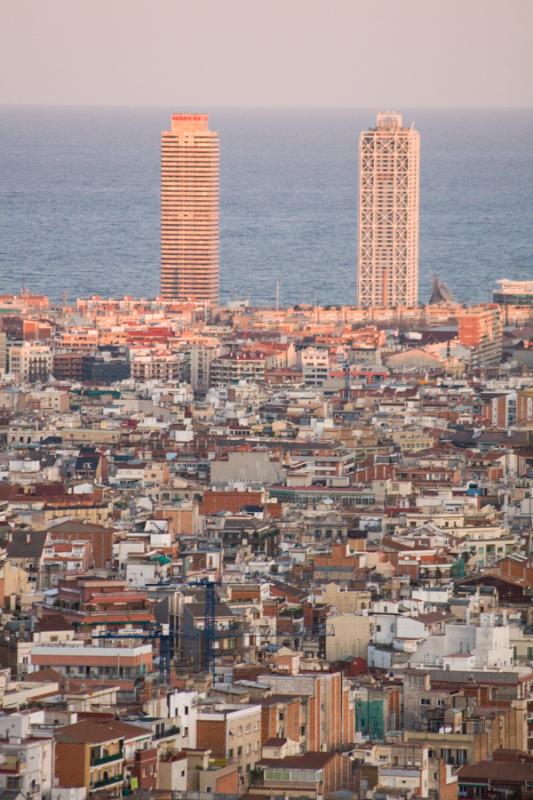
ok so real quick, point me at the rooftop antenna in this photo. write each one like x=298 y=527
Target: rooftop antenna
x=277 y=295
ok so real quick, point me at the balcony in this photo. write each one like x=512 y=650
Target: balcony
x=96 y=762
x=11 y=765
x=172 y=731
x=110 y=781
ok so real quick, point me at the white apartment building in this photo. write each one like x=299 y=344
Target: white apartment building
x=26 y=761
x=467 y=647
x=30 y=362
x=315 y=366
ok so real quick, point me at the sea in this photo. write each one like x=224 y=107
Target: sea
x=79 y=201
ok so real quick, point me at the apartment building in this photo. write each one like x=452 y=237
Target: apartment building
x=100 y=756
x=315 y=365
x=76 y=660
x=235 y=367
x=232 y=732
x=26 y=762
x=30 y=362
x=329 y=715
x=480 y=329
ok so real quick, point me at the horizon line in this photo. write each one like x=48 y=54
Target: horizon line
x=24 y=104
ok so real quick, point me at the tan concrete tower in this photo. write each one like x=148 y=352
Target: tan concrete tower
x=189 y=209
x=387 y=265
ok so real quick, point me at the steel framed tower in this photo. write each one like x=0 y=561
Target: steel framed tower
x=189 y=209
x=387 y=258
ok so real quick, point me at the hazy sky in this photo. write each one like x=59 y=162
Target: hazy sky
x=204 y=53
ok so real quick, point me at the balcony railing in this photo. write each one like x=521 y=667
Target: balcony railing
x=95 y=762
x=172 y=731
x=112 y=779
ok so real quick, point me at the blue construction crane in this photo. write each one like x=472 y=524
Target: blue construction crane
x=210 y=631
x=162 y=632
x=346 y=370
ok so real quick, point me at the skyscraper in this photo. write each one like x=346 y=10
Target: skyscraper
x=189 y=209
x=387 y=266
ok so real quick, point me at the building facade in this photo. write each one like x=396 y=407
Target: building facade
x=30 y=362
x=513 y=293
x=189 y=209
x=232 y=732
x=387 y=273
x=481 y=329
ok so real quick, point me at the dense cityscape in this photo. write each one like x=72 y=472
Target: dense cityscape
x=274 y=552
x=266 y=400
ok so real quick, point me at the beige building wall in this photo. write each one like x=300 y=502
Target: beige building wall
x=96 y=514
x=348 y=636
x=89 y=435
x=232 y=732
x=3 y=352
x=13 y=581
x=346 y=600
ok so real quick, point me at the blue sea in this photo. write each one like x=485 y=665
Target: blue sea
x=79 y=200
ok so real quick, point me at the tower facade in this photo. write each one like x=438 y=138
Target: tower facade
x=189 y=209
x=389 y=170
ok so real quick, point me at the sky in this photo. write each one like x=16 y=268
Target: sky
x=267 y=53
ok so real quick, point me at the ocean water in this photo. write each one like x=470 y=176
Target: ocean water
x=79 y=200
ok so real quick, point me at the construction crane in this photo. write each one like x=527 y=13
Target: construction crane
x=162 y=632
x=210 y=630
x=346 y=370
